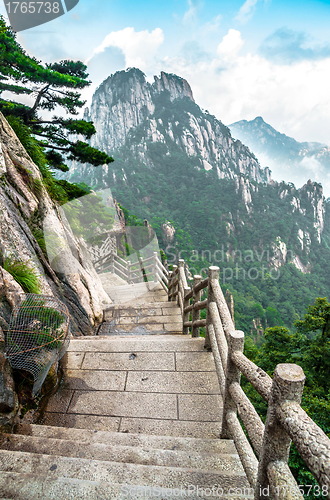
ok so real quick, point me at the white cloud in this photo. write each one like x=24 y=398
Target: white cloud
x=212 y=26
x=139 y=47
x=191 y=14
x=246 y=11
x=298 y=173
x=230 y=45
x=293 y=98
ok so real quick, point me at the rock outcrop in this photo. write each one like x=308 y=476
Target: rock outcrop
x=159 y=135
x=165 y=112
x=24 y=205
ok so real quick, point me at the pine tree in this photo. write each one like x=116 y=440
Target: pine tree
x=48 y=87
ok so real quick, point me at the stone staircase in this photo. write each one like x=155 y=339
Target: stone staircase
x=136 y=417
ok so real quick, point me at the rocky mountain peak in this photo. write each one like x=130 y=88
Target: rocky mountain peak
x=132 y=86
x=259 y=119
x=289 y=160
x=177 y=87
x=129 y=112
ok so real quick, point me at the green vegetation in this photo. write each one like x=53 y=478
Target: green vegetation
x=308 y=346
x=48 y=88
x=53 y=141
x=213 y=227
x=90 y=217
x=23 y=274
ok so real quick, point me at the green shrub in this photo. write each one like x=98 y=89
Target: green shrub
x=73 y=190
x=40 y=238
x=23 y=274
x=59 y=190
x=28 y=141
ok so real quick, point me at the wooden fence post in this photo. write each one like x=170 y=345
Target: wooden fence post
x=196 y=313
x=288 y=384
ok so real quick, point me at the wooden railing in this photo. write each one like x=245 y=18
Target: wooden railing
x=263 y=448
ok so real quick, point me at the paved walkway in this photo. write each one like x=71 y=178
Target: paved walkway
x=137 y=417
x=155 y=384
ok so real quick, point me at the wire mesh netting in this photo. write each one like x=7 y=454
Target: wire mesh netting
x=38 y=336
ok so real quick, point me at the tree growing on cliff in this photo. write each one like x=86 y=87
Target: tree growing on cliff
x=46 y=88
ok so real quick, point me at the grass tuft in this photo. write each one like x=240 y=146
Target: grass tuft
x=23 y=274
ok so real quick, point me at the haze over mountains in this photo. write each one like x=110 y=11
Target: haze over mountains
x=204 y=191
x=287 y=158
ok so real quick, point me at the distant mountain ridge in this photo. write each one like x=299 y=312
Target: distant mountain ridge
x=126 y=105
x=205 y=193
x=294 y=161
x=152 y=129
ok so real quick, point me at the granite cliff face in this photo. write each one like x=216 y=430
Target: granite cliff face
x=24 y=205
x=157 y=133
x=126 y=105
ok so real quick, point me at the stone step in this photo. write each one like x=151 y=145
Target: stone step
x=181 y=361
x=140 y=328
x=147 y=305
x=147 y=405
x=138 y=293
x=188 y=444
x=142 y=312
x=117 y=453
x=145 y=320
x=154 y=343
x=15 y=485
x=114 y=472
x=138 y=380
x=140 y=425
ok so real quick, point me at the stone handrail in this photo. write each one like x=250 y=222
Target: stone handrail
x=147 y=269
x=264 y=454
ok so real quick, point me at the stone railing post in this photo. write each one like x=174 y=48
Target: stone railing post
x=169 y=289
x=288 y=384
x=214 y=273
x=181 y=284
x=235 y=341
x=185 y=316
x=154 y=267
x=173 y=287
x=230 y=303
x=196 y=313
x=128 y=270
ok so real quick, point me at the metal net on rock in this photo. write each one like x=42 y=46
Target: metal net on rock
x=38 y=336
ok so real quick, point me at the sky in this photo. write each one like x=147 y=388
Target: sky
x=243 y=59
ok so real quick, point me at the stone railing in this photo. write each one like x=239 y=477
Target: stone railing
x=264 y=454
x=148 y=269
